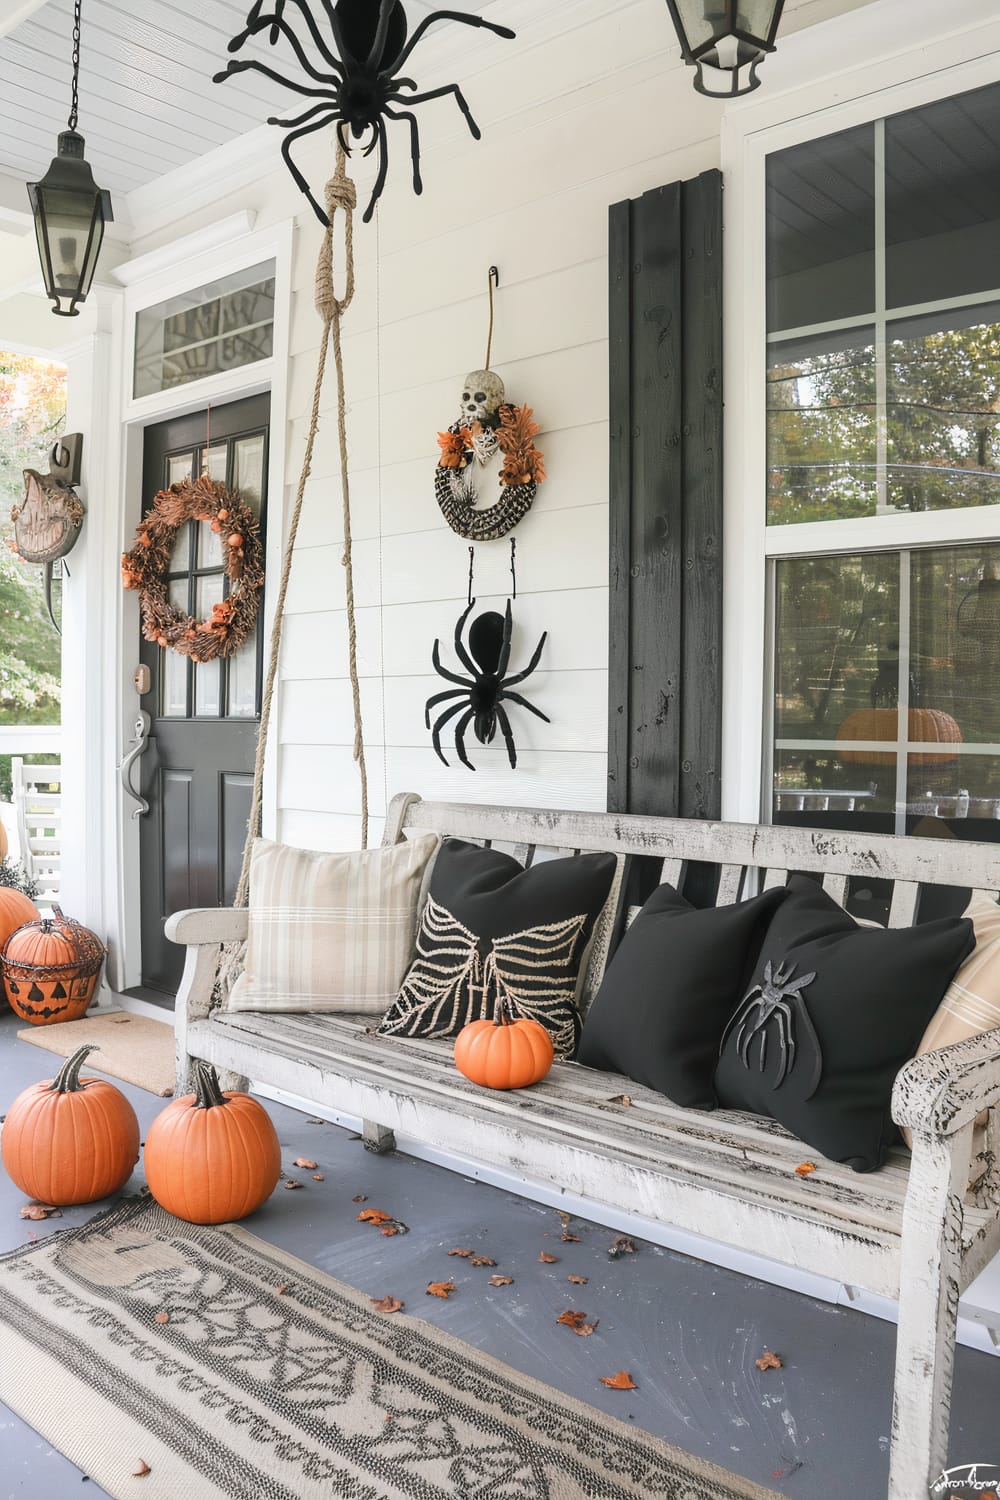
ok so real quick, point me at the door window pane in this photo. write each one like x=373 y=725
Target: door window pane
x=179 y=467
x=821 y=230
x=242 y=684
x=821 y=428
x=942 y=199
x=173 y=667
x=248 y=470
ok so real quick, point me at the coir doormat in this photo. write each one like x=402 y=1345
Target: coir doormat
x=135 y=1049
x=181 y=1363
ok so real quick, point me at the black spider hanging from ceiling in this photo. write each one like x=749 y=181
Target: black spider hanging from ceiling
x=358 y=79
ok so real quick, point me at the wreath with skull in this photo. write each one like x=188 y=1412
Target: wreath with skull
x=487 y=424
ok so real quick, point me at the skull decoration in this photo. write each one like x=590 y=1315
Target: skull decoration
x=482 y=396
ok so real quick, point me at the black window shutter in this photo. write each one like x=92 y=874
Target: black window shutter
x=665 y=683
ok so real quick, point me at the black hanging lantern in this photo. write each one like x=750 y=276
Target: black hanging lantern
x=70 y=211
x=726 y=40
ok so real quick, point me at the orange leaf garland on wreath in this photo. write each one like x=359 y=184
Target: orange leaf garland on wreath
x=523 y=468
x=145 y=569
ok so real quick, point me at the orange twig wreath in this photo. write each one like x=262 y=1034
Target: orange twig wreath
x=146 y=566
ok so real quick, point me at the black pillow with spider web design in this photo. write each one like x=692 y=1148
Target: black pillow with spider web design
x=820 y=1054
x=492 y=928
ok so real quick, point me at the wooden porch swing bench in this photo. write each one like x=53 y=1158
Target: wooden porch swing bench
x=910 y=1231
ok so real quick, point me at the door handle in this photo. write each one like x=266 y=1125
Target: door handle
x=139 y=743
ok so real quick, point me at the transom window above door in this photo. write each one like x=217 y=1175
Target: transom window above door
x=223 y=325
x=883 y=316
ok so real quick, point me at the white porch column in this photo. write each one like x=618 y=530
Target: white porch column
x=90 y=611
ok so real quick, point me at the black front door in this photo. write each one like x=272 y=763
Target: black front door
x=197 y=771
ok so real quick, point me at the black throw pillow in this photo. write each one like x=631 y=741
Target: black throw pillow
x=833 y=1012
x=670 y=989
x=491 y=928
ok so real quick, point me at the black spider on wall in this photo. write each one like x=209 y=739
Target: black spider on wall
x=367 y=47
x=483 y=695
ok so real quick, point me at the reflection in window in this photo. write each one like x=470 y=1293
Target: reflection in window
x=944 y=411
x=222 y=325
x=889 y=719
x=821 y=429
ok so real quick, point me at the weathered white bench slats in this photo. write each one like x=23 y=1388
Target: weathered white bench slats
x=910 y=1230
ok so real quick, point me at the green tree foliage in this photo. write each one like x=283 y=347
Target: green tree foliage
x=32 y=407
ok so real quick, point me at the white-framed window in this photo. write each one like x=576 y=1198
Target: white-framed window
x=863 y=519
x=222 y=325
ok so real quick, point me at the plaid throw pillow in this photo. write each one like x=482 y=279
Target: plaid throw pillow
x=330 y=932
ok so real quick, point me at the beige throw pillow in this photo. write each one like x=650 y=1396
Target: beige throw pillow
x=971 y=1003
x=331 y=932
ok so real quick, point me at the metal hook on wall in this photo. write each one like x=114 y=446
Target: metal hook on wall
x=492 y=280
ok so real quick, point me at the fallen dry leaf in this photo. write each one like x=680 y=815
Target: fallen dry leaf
x=440 y=1289
x=625 y=1099
x=318 y=1177
x=482 y=1260
x=501 y=1281
x=620 y=1382
x=805 y=1169
x=390 y=1229
x=620 y=1245
x=585 y=1329
x=292 y=1183
x=305 y=1161
x=572 y=1319
x=141 y=1469
x=360 y=1198
x=577 y=1280
x=119 y=1020
x=573 y=1239
x=768 y=1361
x=550 y=1260
x=162 y=1317
x=282 y=1289
x=35 y=1210
x=465 y=1254
x=387 y=1304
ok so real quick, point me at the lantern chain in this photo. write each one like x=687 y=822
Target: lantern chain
x=75 y=100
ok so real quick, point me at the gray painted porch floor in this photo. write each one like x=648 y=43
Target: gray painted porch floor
x=687 y=1332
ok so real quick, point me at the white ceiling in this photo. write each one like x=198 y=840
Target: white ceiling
x=147 y=102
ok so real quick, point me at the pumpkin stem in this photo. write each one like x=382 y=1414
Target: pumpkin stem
x=67 y=1080
x=501 y=1014
x=207 y=1093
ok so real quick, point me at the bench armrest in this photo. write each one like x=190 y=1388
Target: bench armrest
x=211 y=924
x=944 y=1090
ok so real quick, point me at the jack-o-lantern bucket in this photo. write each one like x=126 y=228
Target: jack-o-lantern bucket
x=51 y=968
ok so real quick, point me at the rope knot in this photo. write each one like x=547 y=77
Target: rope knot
x=340 y=193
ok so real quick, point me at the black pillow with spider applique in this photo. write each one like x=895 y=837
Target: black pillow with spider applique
x=490 y=928
x=832 y=1013
x=670 y=989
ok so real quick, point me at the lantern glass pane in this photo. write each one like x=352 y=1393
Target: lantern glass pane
x=756 y=17
x=702 y=21
x=73 y=230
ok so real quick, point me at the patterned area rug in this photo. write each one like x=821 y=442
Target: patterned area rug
x=306 y=1394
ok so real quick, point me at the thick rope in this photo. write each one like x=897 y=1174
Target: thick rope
x=340 y=194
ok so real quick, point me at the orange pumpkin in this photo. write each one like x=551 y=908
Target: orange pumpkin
x=15 y=910
x=503 y=1053
x=70 y=1139
x=928 y=725
x=50 y=969
x=212 y=1156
